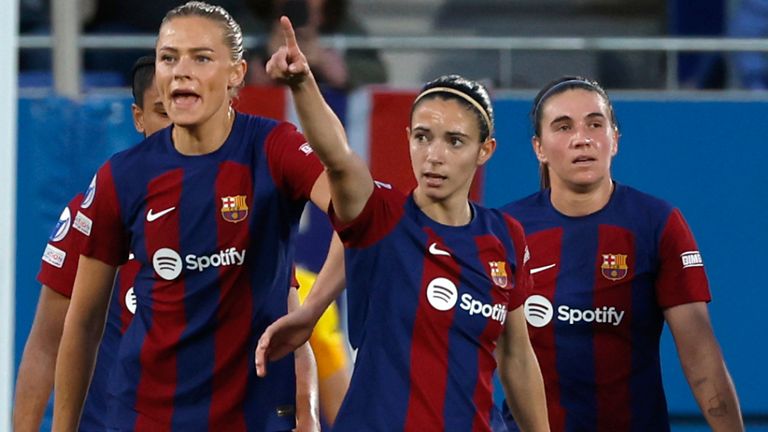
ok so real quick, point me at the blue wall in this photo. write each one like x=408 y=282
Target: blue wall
x=705 y=157
x=61 y=144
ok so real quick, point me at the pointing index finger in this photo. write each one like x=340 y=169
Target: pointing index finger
x=288 y=33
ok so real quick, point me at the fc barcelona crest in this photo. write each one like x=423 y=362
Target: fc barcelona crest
x=614 y=266
x=499 y=272
x=234 y=208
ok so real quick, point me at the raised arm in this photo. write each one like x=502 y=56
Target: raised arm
x=36 y=371
x=520 y=375
x=704 y=366
x=348 y=176
x=83 y=329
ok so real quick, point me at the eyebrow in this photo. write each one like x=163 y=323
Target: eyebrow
x=565 y=117
x=195 y=49
x=449 y=133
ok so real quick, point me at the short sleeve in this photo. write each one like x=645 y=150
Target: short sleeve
x=523 y=278
x=292 y=162
x=107 y=239
x=681 y=278
x=380 y=214
x=62 y=253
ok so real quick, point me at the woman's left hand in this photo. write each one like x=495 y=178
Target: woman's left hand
x=288 y=64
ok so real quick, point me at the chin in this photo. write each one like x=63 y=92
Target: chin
x=184 y=120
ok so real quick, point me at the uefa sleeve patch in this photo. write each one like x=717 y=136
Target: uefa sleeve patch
x=62 y=226
x=54 y=256
x=89 y=194
x=83 y=224
x=691 y=259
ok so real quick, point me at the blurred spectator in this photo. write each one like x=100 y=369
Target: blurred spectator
x=312 y=19
x=35 y=18
x=141 y=17
x=750 y=20
x=700 y=70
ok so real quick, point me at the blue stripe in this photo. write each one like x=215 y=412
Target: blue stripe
x=195 y=354
x=574 y=344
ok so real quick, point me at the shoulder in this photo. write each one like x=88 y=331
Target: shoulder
x=136 y=154
x=530 y=206
x=498 y=222
x=258 y=123
x=637 y=203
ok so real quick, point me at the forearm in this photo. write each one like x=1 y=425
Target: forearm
x=521 y=376
x=524 y=389
x=33 y=386
x=704 y=366
x=83 y=329
x=307 y=395
x=330 y=281
x=36 y=371
x=320 y=125
x=714 y=390
x=74 y=367
x=349 y=179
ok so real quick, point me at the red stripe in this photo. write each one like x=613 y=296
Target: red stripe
x=613 y=344
x=128 y=274
x=545 y=247
x=231 y=358
x=157 y=384
x=429 y=347
x=265 y=101
x=490 y=249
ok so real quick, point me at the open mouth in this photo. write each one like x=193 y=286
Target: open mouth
x=184 y=98
x=434 y=179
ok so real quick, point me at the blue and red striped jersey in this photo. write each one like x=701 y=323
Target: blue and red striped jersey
x=213 y=235
x=595 y=315
x=58 y=270
x=427 y=303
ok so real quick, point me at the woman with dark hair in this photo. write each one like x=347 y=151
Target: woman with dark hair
x=610 y=265
x=434 y=281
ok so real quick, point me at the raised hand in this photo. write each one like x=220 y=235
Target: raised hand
x=288 y=64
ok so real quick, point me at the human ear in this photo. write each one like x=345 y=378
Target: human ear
x=237 y=73
x=138 y=118
x=536 y=144
x=487 y=148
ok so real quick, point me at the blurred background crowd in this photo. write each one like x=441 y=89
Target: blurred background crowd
x=320 y=20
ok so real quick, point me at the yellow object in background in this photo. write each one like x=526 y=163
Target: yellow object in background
x=327 y=341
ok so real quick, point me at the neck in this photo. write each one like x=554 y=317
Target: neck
x=206 y=137
x=451 y=212
x=578 y=201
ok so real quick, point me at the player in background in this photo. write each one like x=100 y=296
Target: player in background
x=34 y=382
x=610 y=265
x=214 y=189
x=434 y=281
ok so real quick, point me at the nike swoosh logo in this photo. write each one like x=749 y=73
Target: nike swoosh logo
x=435 y=251
x=541 y=269
x=151 y=217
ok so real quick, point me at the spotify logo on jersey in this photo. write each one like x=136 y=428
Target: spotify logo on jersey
x=538 y=311
x=442 y=294
x=167 y=263
x=130 y=301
